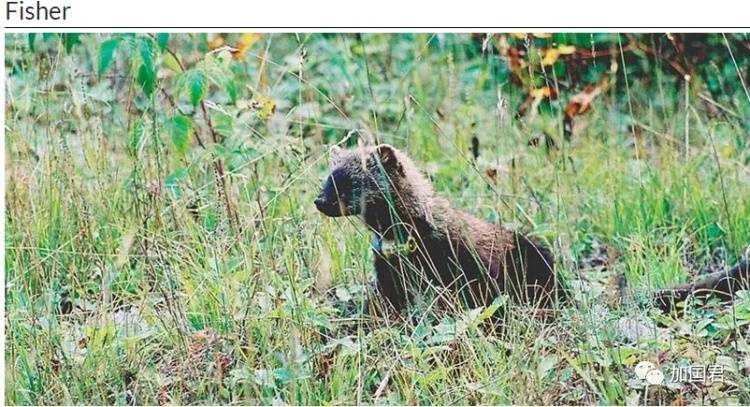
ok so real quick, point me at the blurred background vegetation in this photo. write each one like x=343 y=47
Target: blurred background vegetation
x=161 y=244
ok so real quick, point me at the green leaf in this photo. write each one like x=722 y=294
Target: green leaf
x=488 y=312
x=219 y=150
x=107 y=52
x=173 y=181
x=547 y=363
x=421 y=331
x=146 y=79
x=146 y=47
x=211 y=220
x=69 y=40
x=197 y=86
x=223 y=124
x=232 y=91
x=162 y=39
x=284 y=375
x=714 y=231
x=181 y=129
x=32 y=37
x=147 y=72
x=264 y=377
x=171 y=62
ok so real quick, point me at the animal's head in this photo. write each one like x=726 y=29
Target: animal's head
x=360 y=178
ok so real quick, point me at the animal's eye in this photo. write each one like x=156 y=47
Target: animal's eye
x=342 y=185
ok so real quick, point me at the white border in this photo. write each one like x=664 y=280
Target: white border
x=380 y=16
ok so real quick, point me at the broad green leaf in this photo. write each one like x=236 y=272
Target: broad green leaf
x=181 y=128
x=197 y=86
x=147 y=72
x=107 y=52
x=69 y=40
x=223 y=124
x=146 y=79
x=171 y=62
x=162 y=39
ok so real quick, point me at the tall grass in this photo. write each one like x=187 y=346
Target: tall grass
x=126 y=283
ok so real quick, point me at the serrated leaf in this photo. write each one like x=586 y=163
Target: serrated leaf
x=146 y=72
x=107 y=52
x=181 y=129
x=197 y=86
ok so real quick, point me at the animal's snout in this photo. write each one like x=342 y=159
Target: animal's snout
x=320 y=203
x=327 y=208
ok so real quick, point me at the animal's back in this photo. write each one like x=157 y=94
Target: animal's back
x=508 y=262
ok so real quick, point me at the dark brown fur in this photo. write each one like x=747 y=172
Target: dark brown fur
x=457 y=253
x=721 y=284
x=465 y=255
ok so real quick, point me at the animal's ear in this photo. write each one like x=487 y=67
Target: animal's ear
x=334 y=155
x=388 y=158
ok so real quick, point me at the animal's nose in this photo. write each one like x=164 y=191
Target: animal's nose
x=328 y=208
